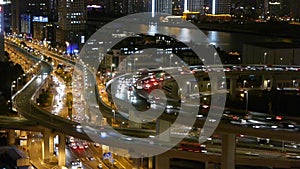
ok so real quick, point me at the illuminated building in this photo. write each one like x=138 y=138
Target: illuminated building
x=15 y=16
x=273 y=53
x=1 y=32
x=71 y=22
x=195 y=5
x=221 y=6
x=52 y=12
x=125 y=7
x=162 y=6
x=295 y=9
x=23 y=12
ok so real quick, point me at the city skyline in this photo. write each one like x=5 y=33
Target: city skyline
x=150 y=84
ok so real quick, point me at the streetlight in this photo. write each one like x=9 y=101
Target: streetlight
x=180 y=92
x=207 y=86
x=111 y=69
x=265 y=57
x=196 y=88
x=135 y=59
x=244 y=83
x=294 y=83
x=188 y=87
x=129 y=64
x=215 y=55
x=222 y=85
x=246 y=96
x=114 y=112
x=67 y=44
x=171 y=59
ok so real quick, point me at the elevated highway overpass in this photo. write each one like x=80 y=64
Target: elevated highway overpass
x=22 y=102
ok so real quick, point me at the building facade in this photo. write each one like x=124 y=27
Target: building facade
x=295 y=9
x=221 y=6
x=71 y=23
x=24 y=11
x=271 y=54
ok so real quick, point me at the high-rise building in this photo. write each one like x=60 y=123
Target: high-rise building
x=195 y=5
x=53 y=10
x=125 y=7
x=221 y=6
x=71 y=15
x=1 y=32
x=162 y=6
x=23 y=13
x=3 y=12
x=71 y=23
x=15 y=16
x=7 y=16
x=295 y=9
x=177 y=7
x=266 y=7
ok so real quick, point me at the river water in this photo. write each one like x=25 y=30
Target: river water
x=228 y=41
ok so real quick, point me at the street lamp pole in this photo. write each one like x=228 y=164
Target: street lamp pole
x=111 y=69
x=171 y=59
x=129 y=64
x=246 y=96
x=215 y=55
x=207 y=86
x=135 y=59
x=294 y=83
x=265 y=57
x=114 y=112
x=244 y=83
x=188 y=87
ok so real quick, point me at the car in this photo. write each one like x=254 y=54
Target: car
x=96 y=144
x=90 y=158
x=85 y=145
x=100 y=166
x=292 y=155
x=263 y=140
x=73 y=146
x=78 y=161
x=75 y=163
x=80 y=146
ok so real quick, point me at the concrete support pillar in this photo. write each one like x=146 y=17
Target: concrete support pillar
x=136 y=163
x=51 y=145
x=134 y=120
x=228 y=151
x=11 y=138
x=161 y=130
x=232 y=89
x=268 y=82
x=162 y=162
x=274 y=83
x=150 y=162
x=214 y=83
x=48 y=144
x=23 y=133
x=62 y=150
x=209 y=165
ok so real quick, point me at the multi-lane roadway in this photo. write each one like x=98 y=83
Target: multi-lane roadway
x=23 y=104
